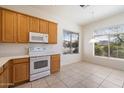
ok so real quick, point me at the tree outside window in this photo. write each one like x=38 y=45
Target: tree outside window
x=70 y=42
x=110 y=42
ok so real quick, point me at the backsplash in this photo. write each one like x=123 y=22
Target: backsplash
x=51 y=48
x=12 y=49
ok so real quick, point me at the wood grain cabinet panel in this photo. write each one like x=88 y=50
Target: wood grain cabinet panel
x=34 y=24
x=0 y=24
x=4 y=79
x=20 y=70
x=52 y=33
x=23 y=28
x=15 y=27
x=10 y=73
x=1 y=77
x=9 y=26
x=43 y=26
x=55 y=63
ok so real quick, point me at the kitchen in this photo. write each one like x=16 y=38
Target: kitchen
x=39 y=61
x=53 y=47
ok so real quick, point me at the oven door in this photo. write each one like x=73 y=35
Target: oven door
x=39 y=64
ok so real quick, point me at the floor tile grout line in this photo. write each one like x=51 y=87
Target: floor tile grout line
x=58 y=79
x=113 y=82
x=47 y=83
x=123 y=85
x=31 y=85
x=105 y=79
x=81 y=80
x=67 y=85
x=64 y=83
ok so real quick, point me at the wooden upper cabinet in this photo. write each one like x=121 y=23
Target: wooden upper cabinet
x=43 y=26
x=9 y=26
x=52 y=33
x=23 y=28
x=15 y=27
x=34 y=24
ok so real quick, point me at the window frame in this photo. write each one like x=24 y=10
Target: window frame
x=109 y=36
x=71 y=33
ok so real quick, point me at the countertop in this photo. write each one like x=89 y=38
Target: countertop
x=4 y=60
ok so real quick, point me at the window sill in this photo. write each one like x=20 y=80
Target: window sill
x=110 y=58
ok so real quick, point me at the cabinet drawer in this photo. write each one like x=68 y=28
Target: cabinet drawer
x=22 y=60
x=55 y=58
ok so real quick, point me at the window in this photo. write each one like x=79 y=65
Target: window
x=109 y=42
x=70 y=42
x=101 y=46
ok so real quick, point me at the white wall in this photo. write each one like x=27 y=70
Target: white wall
x=21 y=49
x=88 y=47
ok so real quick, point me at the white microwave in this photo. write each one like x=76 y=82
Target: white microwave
x=38 y=37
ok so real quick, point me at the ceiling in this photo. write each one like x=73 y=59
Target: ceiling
x=80 y=15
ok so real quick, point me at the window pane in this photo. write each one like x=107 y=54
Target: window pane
x=70 y=42
x=110 y=41
x=113 y=30
x=121 y=29
x=114 y=45
x=75 y=42
x=101 y=46
x=67 y=43
x=100 y=32
x=121 y=46
x=67 y=36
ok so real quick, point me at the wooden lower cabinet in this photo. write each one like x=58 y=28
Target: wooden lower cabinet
x=4 y=79
x=16 y=71
x=20 y=70
x=55 y=63
x=1 y=76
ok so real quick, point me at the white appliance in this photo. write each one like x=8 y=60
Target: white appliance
x=38 y=37
x=39 y=65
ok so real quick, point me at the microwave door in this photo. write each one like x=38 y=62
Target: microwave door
x=36 y=37
x=45 y=38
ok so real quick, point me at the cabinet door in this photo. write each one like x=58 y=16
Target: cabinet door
x=34 y=24
x=20 y=70
x=23 y=28
x=10 y=73
x=43 y=26
x=9 y=26
x=4 y=77
x=1 y=77
x=55 y=63
x=0 y=25
x=52 y=33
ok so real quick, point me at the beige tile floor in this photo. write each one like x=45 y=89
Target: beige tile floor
x=80 y=75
